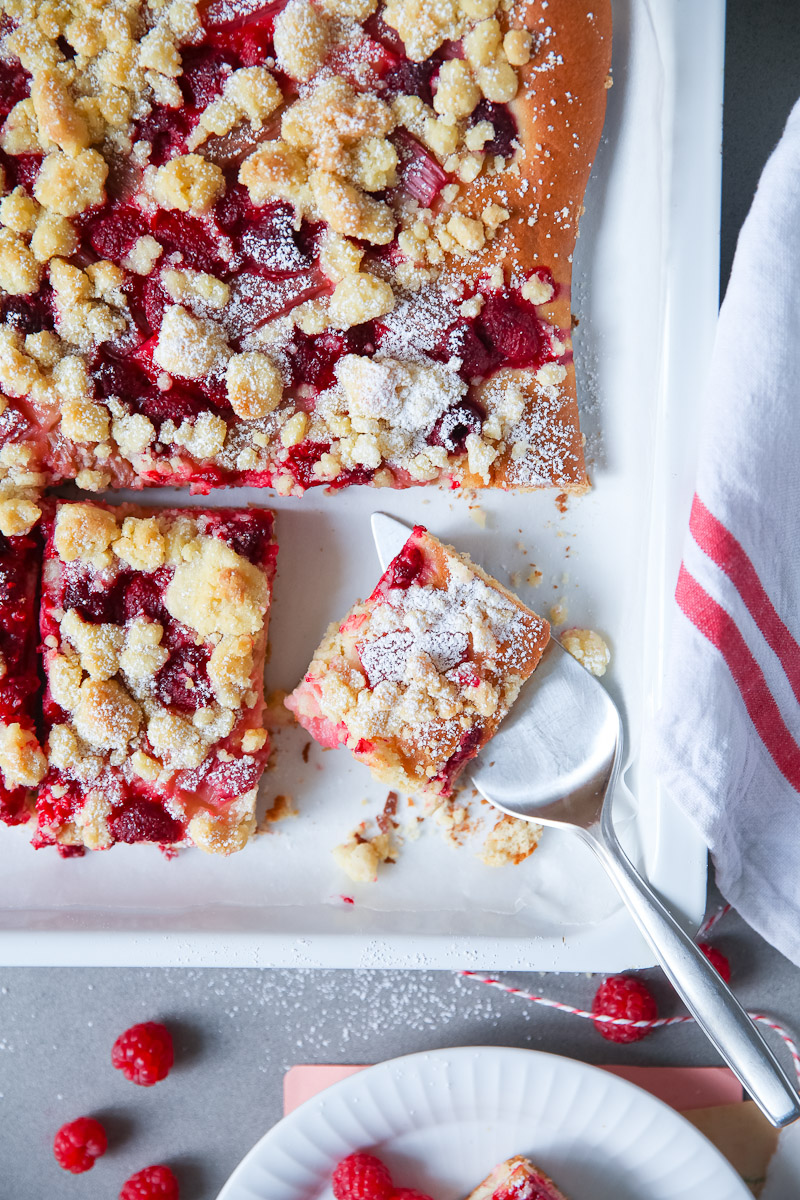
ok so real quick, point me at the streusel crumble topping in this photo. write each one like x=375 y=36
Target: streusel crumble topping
x=154 y=631
x=214 y=216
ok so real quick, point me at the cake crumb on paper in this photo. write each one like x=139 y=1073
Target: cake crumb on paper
x=558 y=612
x=510 y=842
x=590 y=649
x=276 y=715
x=282 y=807
x=360 y=857
x=452 y=818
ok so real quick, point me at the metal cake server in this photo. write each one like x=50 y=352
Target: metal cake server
x=556 y=760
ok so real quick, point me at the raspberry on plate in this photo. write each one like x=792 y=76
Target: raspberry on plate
x=410 y=1194
x=622 y=996
x=362 y=1177
x=144 y=1054
x=154 y=628
x=293 y=249
x=153 y=1183
x=79 y=1143
x=416 y=680
x=717 y=959
x=22 y=763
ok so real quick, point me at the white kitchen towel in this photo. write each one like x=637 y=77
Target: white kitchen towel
x=728 y=734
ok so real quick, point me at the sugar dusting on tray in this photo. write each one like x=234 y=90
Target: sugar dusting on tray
x=317 y=1019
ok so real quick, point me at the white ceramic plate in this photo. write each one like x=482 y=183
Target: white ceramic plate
x=442 y=1120
x=645 y=289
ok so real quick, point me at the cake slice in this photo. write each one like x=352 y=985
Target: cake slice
x=416 y=680
x=293 y=243
x=154 y=629
x=517 y=1179
x=22 y=763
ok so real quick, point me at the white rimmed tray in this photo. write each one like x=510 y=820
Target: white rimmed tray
x=441 y=1120
x=646 y=295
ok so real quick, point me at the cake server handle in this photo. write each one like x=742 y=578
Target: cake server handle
x=706 y=995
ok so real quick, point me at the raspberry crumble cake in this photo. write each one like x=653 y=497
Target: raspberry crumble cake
x=517 y=1179
x=154 y=629
x=22 y=763
x=294 y=243
x=416 y=680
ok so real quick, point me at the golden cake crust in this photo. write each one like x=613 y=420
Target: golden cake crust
x=560 y=109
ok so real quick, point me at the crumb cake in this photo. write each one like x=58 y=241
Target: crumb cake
x=22 y=763
x=416 y=680
x=517 y=1179
x=154 y=628
x=297 y=243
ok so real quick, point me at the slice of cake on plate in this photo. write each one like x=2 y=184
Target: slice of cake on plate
x=416 y=679
x=298 y=243
x=22 y=763
x=517 y=1179
x=154 y=628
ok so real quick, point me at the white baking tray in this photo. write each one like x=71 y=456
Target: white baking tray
x=646 y=279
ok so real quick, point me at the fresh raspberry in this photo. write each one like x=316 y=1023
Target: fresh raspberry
x=362 y=1177
x=78 y=1143
x=717 y=959
x=623 y=996
x=410 y=1194
x=153 y=1183
x=144 y=1053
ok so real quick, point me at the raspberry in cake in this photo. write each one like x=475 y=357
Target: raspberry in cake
x=22 y=763
x=517 y=1179
x=154 y=629
x=294 y=244
x=416 y=680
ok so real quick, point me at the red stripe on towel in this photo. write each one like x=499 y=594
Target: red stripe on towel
x=730 y=556
x=711 y=619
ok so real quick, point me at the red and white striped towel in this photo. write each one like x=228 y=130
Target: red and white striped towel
x=729 y=730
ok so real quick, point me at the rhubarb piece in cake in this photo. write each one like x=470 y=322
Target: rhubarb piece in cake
x=22 y=763
x=295 y=243
x=154 y=628
x=416 y=680
x=517 y=1179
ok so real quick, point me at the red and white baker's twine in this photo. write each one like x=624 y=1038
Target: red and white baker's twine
x=761 y=1018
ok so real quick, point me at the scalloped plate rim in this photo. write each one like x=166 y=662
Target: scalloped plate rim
x=239 y=1185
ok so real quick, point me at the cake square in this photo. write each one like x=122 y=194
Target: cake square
x=517 y=1179
x=154 y=631
x=416 y=680
x=22 y=763
x=295 y=244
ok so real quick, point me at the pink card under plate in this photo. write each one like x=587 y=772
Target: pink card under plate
x=683 y=1088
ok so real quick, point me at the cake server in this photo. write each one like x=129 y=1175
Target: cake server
x=556 y=760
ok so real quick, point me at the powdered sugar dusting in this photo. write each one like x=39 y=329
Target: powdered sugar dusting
x=386 y=656
x=439 y=617
x=419 y=324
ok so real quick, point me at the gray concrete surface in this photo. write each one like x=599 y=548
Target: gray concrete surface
x=238 y=1031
